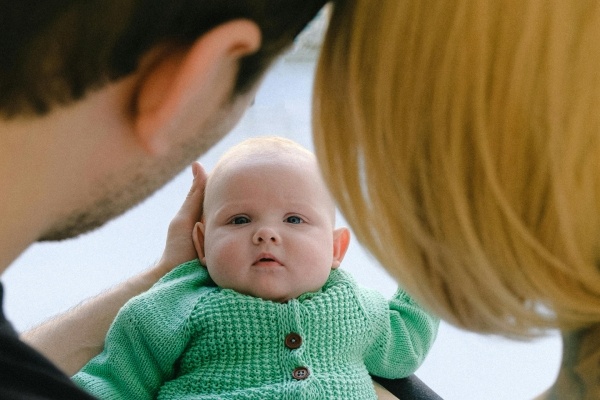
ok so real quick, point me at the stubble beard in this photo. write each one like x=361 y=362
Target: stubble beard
x=115 y=197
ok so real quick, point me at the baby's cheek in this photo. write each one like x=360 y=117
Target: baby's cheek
x=231 y=252
x=224 y=260
x=219 y=248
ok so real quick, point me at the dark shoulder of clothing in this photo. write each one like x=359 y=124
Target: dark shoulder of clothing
x=26 y=374
x=409 y=388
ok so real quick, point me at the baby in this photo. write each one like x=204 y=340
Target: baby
x=264 y=312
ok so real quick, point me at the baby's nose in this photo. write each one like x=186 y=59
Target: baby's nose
x=266 y=234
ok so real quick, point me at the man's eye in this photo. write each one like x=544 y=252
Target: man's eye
x=294 y=219
x=240 y=220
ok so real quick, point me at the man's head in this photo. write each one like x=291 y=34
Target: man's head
x=269 y=222
x=109 y=99
x=57 y=51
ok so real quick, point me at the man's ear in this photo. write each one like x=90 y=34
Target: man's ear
x=194 y=79
x=198 y=238
x=341 y=240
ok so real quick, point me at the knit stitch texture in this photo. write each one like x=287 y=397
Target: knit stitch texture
x=188 y=339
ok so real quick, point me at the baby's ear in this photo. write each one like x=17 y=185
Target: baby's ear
x=341 y=240
x=198 y=238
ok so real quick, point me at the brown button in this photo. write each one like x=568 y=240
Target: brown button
x=300 y=373
x=293 y=341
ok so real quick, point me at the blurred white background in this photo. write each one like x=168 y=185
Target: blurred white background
x=50 y=278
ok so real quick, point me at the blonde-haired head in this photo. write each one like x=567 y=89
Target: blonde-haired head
x=463 y=146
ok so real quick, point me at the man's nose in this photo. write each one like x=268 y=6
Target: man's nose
x=266 y=234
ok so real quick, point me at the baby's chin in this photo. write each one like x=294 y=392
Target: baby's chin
x=274 y=297
x=268 y=290
x=281 y=296
x=270 y=294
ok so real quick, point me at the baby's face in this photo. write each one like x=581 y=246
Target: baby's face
x=269 y=228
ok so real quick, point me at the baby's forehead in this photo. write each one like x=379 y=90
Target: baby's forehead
x=280 y=167
x=301 y=164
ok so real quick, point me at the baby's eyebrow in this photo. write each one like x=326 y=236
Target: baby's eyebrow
x=231 y=209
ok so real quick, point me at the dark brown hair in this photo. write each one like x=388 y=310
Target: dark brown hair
x=55 y=51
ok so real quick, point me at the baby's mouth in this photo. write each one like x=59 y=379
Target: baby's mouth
x=267 y=260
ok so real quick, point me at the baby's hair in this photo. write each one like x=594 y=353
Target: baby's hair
x=468 y=162
x=264 y=147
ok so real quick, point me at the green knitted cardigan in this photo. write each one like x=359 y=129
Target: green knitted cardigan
x=186 y=338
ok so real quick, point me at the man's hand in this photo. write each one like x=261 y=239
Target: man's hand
x=179 y=247
x=71 y=339
x=382 y=393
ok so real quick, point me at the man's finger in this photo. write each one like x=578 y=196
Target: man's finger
x=192 y=205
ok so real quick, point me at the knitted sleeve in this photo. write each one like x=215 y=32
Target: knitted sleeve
x=146 y=338
x=403 y=335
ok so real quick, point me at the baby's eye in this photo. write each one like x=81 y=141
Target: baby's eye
x=294 y=219
x=239 y=220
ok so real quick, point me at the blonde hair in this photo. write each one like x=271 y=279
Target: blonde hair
x=461 y=141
